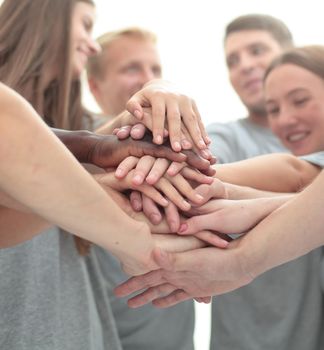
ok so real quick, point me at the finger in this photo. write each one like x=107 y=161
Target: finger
x=172 y=299
x=135 y=199
x=165 y=186
x=135 y=284
x=142 y=169
x=150 y=294
x=151 y=210
x=152 y=193
x=175 y=168
x=197 y=162
x=172 y=217
x=123 y=132
x=158 y=169
x=158 y=118
x=194 y=175
x=201 y=124
x=184 y=187
x=137 y=132
x=212 y=238
x=134 y=106
x=190 y=120
x=197 y=224
x=126 y=166
x=174 y=124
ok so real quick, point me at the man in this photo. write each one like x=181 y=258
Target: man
x=128 y=60
x=268 y=313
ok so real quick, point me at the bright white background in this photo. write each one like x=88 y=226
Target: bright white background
x=190 y=34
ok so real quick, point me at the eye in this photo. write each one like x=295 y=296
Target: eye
x=257 y=50
x=88 y=24
x=232 y=61
x=157 y=71
x=272 y=112
x=301 y=101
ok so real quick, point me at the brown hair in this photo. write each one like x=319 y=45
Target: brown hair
x=310 y=58
x=272 y=25
x=95 y=67
x=35 y=36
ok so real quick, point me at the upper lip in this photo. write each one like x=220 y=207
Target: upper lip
x=249 y=82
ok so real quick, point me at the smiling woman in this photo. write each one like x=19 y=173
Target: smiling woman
x=294 y=88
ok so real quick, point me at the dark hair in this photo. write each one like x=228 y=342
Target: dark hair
x=310 y=58
x=272 y=25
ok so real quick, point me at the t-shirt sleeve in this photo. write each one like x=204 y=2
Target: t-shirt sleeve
x=223 y=143
x=315 y=158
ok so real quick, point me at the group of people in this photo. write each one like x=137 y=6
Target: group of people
x=156 y=210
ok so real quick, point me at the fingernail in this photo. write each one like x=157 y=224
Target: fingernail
x=208 y=139
x=201 y=144
x=206 y=154
x=183 y=228
x=164 y=202
x=186 y=205
x=177 y=146
x=158 y=139
x=137 y=205
x=199 y=197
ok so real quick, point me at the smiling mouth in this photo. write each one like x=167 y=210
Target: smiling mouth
x=296 y=137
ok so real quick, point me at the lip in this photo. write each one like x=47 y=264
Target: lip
x=253 y=84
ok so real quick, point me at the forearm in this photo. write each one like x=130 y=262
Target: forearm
x=273 y=172
x=38 y=171
x=244 y=192
x=291 y=231
x=17 y=227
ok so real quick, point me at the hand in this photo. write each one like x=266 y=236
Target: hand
x=200 y=160
x=171 y=107
x=108 y=151
x=192 y=274
x=152 y=169
x=230 y=216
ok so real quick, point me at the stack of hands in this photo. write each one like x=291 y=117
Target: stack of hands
x=158 y=168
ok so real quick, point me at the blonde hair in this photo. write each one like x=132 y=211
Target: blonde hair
x=95 y=67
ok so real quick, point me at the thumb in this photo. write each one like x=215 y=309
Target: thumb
x=163 y=259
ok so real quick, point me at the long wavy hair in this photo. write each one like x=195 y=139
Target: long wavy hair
x=35 y=39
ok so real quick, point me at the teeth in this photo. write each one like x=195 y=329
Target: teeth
x=296 y=137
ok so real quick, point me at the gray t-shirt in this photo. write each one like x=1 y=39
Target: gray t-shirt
x=47 y=301
x=281 y=309
x=146 y=328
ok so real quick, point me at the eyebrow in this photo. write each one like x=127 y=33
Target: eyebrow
x=249 y=46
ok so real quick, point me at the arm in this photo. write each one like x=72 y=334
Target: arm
x=273 y=172
x=39 y=172
x=291 y=231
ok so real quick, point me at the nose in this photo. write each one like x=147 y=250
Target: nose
x=287 y=119
x=94 y=47
x=247 y=62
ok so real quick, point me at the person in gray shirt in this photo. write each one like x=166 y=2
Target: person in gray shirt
x=280 y=309
x=128 y=60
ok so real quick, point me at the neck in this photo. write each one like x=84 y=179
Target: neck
x=258 y=118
